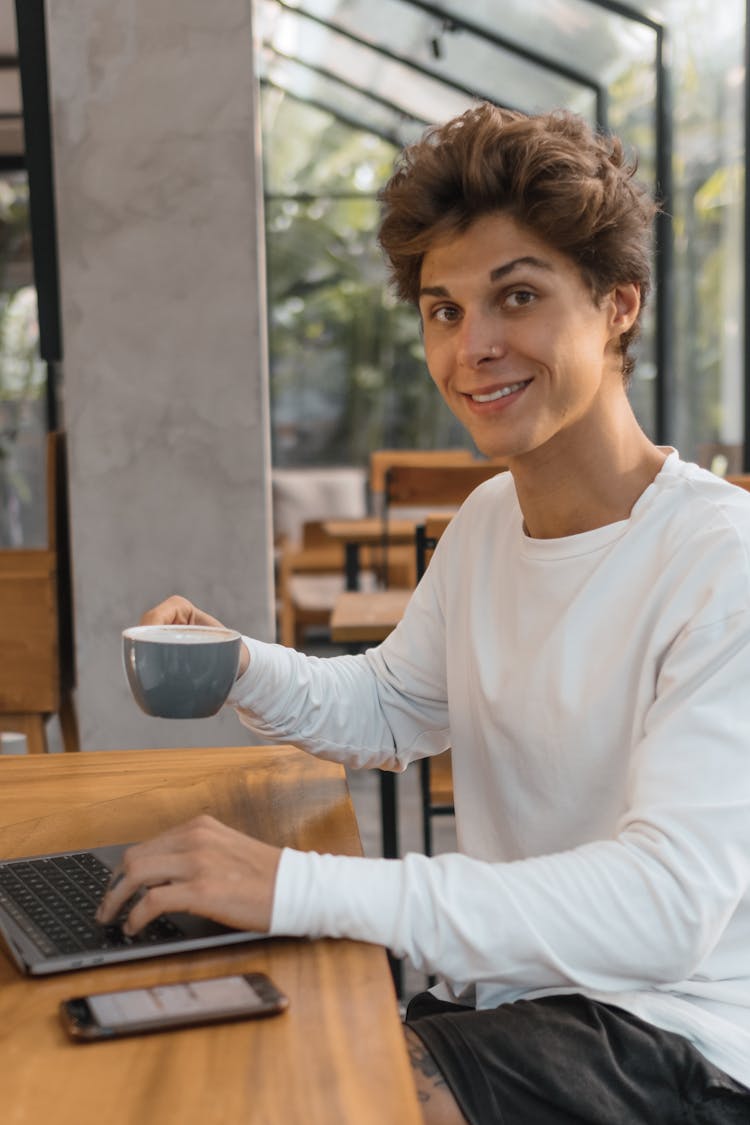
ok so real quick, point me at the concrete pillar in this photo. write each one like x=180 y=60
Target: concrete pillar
x=165 y=395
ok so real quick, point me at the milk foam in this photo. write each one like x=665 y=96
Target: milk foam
x=181 y=634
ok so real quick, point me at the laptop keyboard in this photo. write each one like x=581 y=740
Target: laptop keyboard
x=55 y=901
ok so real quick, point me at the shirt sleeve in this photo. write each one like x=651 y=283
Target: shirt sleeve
x=382 y=708
x=642 y=909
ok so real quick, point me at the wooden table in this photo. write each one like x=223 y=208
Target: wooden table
x=371 y=531
x=367 y=618
x=336 y=1057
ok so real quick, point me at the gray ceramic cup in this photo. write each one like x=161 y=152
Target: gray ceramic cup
x=180 y=671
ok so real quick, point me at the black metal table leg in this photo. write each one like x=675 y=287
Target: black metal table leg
x=352 y=566
x=389 y=814
x=389 y=824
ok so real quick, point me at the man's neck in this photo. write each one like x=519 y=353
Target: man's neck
x=582 y=481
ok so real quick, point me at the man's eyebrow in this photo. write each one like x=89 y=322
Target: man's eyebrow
x=495 y=275
x=528 y=260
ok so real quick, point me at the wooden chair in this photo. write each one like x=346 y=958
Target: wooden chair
x=444 y=486
x=742 y=480
x=397 y=563
x=420 y=489
x=36 y=650
x=381 y=460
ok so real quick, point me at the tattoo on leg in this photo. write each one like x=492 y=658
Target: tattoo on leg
x=423 y=1062
x=437 y=1103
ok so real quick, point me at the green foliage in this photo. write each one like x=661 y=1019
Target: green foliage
x=347 y=371
x=22 y=373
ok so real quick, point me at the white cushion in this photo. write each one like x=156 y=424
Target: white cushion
x=315 y=494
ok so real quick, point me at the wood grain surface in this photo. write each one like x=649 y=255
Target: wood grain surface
x=367 y=617
x=371 y=530
x=29 y=656
x=335 y=1057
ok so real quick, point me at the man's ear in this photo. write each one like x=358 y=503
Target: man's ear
x=625 y=304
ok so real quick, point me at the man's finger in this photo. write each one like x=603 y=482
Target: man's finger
x=146 y=871
x=161 y=898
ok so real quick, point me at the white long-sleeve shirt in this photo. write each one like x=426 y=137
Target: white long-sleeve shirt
x=595 y=691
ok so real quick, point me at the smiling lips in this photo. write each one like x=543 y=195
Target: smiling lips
x=501 y=392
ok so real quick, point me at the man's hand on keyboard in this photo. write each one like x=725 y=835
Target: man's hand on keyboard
x=202 y=867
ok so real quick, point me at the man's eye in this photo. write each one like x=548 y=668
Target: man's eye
x=445 y=314
x=519 y=298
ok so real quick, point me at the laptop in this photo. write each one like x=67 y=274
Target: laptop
x=47 y=923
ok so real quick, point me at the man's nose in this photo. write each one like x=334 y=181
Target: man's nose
x=482 y=340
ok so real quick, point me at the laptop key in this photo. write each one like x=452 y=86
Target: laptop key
x=114 y=936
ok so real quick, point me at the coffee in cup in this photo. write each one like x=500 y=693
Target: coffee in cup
x=181 y=671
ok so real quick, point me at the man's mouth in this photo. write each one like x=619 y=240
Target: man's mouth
x=502 y=392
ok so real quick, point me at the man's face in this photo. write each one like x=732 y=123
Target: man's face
x=514 y=340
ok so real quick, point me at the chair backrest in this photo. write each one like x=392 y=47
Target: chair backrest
x=436 y=486
x=742 y=480
x=381 y=461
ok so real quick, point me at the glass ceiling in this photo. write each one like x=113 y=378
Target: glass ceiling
x=396 y=65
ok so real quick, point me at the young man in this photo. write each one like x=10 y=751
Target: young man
x=582 y=642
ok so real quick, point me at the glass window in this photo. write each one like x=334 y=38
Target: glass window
x=23 y=421
x=708 y=76
x=347 y=372
x=23 y=416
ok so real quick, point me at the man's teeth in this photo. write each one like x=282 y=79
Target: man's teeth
x=502 y=393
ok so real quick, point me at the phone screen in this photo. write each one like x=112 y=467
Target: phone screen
x=173 y=1005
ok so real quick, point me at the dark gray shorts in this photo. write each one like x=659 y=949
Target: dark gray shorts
x=568 y=1060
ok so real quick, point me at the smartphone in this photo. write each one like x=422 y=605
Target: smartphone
x=134 y=1011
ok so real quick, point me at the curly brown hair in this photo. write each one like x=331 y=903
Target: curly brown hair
x=572 y=187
